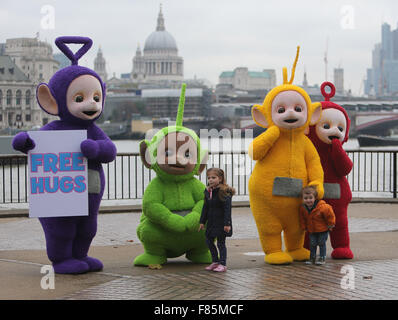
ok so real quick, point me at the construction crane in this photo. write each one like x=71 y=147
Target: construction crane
x=325 y=59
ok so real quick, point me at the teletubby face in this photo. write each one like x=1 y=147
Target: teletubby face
x=84 y=97
x=332 y=125
x=177 y=153
x=289 y=110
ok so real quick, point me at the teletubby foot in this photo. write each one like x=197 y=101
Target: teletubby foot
x=278 y=258
x=342 y=253
x=147 y=259
x=93 y=263
x=199 y=257
x=301 y=254
x=71 y=266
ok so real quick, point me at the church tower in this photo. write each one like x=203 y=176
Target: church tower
x=100 y=65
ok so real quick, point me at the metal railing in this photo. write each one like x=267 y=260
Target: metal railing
x=374 y=174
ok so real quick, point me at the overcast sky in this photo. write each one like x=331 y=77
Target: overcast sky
x=218 y=35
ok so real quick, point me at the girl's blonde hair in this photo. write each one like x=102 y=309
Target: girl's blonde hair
x=225 y=189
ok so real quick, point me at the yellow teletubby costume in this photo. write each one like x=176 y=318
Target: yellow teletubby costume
x=286 y=161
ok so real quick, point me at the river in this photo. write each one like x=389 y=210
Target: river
x=234 y=144
x=127 y=177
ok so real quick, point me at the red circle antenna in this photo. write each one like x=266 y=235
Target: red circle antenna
x=329 y=95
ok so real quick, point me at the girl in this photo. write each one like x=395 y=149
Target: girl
x=217 y=213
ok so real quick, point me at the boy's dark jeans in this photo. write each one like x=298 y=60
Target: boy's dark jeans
x=318 y=239
x=221 y=248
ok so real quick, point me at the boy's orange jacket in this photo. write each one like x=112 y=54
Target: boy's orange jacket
x=319 y=219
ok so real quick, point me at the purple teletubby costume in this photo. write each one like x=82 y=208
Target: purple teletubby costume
x=68 y=239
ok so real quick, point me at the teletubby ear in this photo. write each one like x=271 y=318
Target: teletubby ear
x=144 y=153
x=316 y=114
x=46 y=100
x=259 y=117
x=203 y=162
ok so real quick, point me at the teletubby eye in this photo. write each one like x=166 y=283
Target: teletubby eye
x=96 y=98
x=298 y=109
x=281 y=109
x=79 y=98
x=326 y=126
x=187 y=154
x=340 y=128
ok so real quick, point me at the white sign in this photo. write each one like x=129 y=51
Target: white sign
x=57 y=182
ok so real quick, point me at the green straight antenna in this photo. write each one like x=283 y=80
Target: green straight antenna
x=180 y=112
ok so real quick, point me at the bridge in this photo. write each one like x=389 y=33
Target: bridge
x=367 y=117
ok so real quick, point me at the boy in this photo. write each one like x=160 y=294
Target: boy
x=317 y=218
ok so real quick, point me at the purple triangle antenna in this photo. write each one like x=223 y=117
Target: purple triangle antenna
x=61 y=43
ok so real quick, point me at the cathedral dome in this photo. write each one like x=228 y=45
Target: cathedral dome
x=160 y=39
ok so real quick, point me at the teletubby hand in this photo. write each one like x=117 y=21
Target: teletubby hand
x=90 y=148
x=22 y=142
x=176 y=223
x=272 y=134
x=261 y=144
x=192 y=221
x=342 y=162
x=336 y=143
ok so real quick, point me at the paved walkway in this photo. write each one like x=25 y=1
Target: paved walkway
x=333 y=281
x=120 y=228
x=371 y=275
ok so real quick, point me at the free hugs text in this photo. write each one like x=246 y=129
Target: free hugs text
x=50 y=164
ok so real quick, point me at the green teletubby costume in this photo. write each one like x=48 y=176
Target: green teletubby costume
x=172 y=203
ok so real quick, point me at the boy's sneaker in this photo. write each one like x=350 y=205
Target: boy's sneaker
x=311 y=261
x=321 y=261
x=212 y=266
x=220 y=268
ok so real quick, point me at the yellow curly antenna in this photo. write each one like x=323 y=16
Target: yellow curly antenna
x=284 y=70
x=293 y=69
x=294 y=65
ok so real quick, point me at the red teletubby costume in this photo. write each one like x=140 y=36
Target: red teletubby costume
x=328 y=135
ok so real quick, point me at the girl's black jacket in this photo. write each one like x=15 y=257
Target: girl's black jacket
x=216 y=213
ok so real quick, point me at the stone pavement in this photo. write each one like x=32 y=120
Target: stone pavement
x=371 y=275
x=120 y=229
x=334 y=281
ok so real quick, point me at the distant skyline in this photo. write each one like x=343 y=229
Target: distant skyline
x=218 y=35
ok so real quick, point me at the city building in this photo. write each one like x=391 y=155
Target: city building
x=159 y=60
x=33 y=57
x=2 y=48
x=62 y=59
x=18 y=107
x=382 y=78
x=100 y=65
x=24 y=63
x=305 y=80
x=163 y=103
x=243 y=79
x=339 y=80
